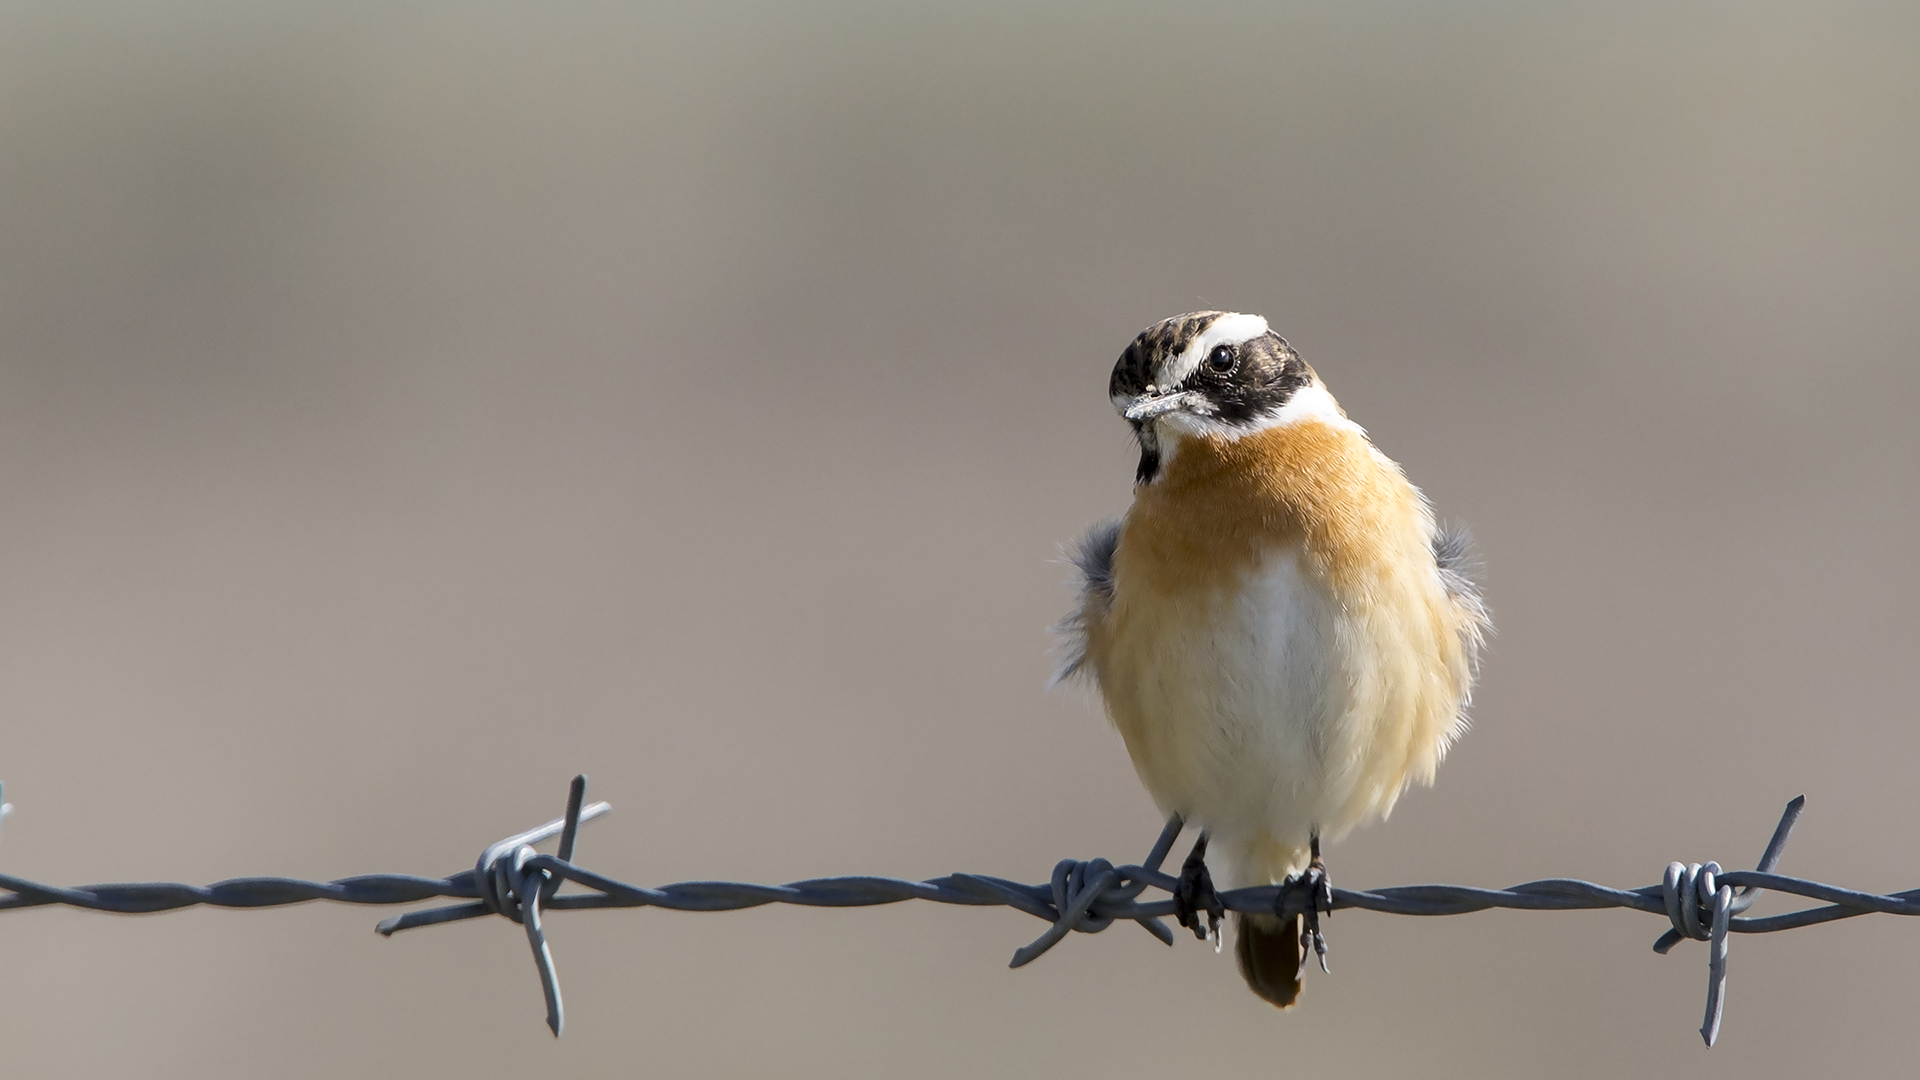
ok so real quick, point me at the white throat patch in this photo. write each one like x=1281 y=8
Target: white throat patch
x=1310 y=402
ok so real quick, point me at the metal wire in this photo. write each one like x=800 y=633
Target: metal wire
x=511 y=879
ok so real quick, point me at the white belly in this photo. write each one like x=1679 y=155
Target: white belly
x=1264 y=715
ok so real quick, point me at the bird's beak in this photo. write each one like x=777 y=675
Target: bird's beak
x=1147 y=406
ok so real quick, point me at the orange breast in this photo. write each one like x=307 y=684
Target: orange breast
x=1221 y=504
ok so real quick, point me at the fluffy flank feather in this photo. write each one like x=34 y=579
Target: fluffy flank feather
x=1092 y=557
x=1459 y=570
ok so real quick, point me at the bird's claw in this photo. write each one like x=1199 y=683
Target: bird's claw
x=1319 y=889
x=1194 y=893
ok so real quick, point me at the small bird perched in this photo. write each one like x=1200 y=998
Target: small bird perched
x=1283 y=637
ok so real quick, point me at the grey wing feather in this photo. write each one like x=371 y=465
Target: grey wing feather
x=1092 y=557
x=1459 y=572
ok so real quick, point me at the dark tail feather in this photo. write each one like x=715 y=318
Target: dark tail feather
x=1268 y=949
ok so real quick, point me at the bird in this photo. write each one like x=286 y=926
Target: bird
x=1282 y=634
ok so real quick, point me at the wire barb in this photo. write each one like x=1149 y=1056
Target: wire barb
x=513 y=880
x=1703 y=910
x=516 y=881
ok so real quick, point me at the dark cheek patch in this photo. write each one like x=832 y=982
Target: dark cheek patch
x=1264 y=382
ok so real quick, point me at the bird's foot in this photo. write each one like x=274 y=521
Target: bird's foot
x=1194 y=893
x=1318 y=887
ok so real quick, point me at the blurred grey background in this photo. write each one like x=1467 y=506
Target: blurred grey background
x=404 y=407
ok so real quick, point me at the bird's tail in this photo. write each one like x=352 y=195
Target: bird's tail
x=1268 y=948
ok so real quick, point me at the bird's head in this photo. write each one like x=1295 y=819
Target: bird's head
x=1214 y=374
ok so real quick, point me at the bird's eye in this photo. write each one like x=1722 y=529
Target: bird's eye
x=1221 y=358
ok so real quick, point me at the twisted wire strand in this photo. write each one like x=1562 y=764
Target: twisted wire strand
x=513 y=880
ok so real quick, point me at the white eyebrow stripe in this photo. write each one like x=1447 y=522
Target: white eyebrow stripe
x=1230 y=329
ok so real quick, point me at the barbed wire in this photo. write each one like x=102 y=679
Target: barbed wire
x=511 y=879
